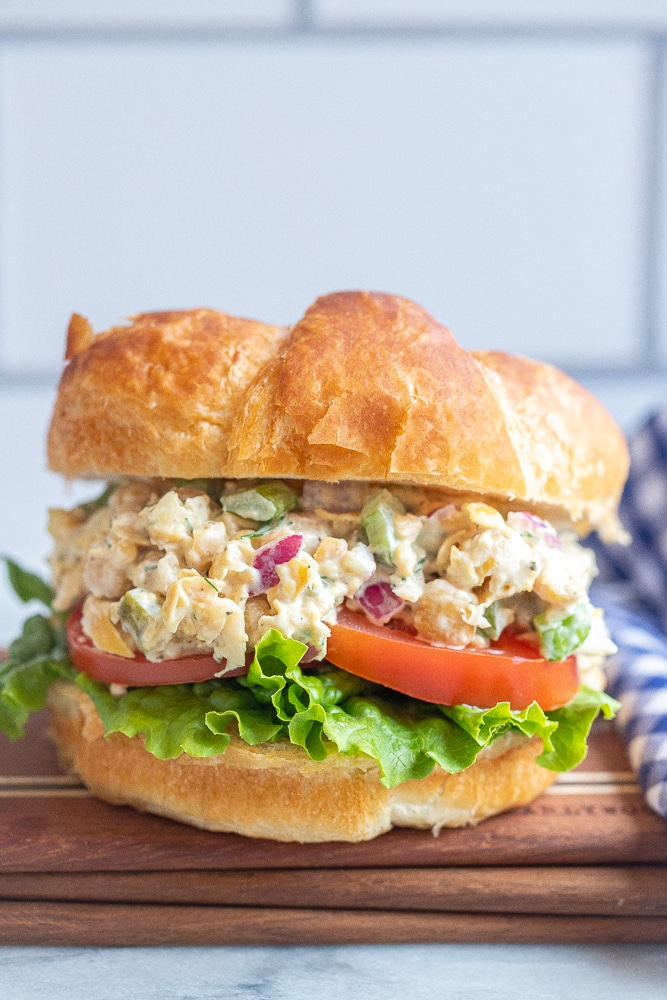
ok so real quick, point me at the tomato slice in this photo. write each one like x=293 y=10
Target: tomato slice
x=508 y=671
x=137 y=671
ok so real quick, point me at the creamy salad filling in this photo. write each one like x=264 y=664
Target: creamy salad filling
x=169 y=568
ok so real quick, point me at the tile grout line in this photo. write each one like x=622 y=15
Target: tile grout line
x=305 y=22
x=653 y=205
x=304 y=17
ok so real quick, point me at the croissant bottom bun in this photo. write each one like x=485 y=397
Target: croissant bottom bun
x=276 y=791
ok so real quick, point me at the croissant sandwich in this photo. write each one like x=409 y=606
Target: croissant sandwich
x=334 y=582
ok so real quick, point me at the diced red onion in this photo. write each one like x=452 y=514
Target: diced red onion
x=311 y=653
x=443 y=513
x=269 y=556
x=379 y=602
x=538 y=526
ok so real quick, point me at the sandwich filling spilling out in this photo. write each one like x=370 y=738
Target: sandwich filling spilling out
x=170 y=570
x=189 y=611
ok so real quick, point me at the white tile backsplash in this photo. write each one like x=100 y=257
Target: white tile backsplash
x=50 y=15
x=252 y=155
x=498 y=183
x=40 y=15
x=629 y=398
x=27 y=490
x=494 y=13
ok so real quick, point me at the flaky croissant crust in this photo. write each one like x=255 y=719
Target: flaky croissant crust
x=367 y=386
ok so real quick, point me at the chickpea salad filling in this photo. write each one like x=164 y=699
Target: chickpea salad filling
x=403 y=624
x=168 y=568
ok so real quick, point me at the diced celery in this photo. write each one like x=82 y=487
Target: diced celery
x=377 y=517
x=281 y=496
x=138 y=609
x=249 y=504
x=264 y=503
x=497 y=617
x=561 y=631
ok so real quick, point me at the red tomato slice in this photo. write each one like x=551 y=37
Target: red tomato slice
x=136 y=671
x=509 y=671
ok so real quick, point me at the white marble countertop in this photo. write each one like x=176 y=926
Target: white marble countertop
x=370 y=972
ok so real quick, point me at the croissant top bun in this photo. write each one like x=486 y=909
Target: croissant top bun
x=366 y=386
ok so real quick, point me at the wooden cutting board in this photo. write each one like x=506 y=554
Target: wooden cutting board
x=587 y=862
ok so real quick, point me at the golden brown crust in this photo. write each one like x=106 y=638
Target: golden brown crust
x=276 y=791
x=366 y=386
x=159 y=397
x=572 y=452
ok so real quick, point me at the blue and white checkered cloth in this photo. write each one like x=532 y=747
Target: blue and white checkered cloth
x=633 y=592
x=637 y=676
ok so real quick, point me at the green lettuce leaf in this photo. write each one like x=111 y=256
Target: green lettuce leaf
x=28 y=586
x=180 y=718
x=567 y=746
x=562 y=632
x=331 y=709
x=563 y=731
x=36 y=659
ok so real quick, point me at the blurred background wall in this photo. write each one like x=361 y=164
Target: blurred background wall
x=500 y=161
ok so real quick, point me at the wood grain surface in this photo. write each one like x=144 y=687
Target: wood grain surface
x=104 y=924
x=585 y=862
x=623 y=890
